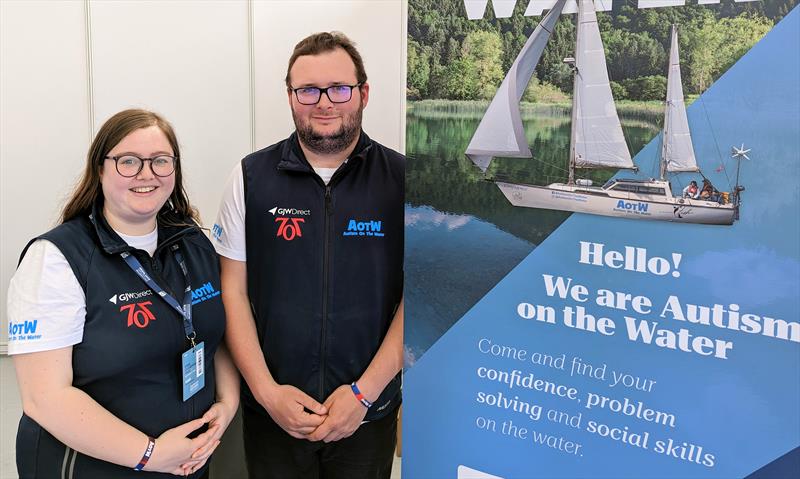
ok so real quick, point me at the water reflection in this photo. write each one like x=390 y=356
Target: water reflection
x=462 y=235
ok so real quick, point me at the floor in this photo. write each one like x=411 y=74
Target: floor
x=11 y=409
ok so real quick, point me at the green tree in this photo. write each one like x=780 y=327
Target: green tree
x=632 y=54
x=484 y=51
x=437 y=87
x=452 y=51
x=542 y=92
x=715 y=45
x=551 y=68
x=652 y=87
x=618 y=91
x=510 y=49
x=459 y=81
x=419 y=70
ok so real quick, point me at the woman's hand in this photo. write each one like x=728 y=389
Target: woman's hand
x=218 y=417
x=173 y=450
x=221 y=413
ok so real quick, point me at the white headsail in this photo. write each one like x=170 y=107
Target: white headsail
x=677 y=152
x=500 y=132
x=597 y=139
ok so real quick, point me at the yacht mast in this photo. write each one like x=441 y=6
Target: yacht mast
x=575 y=92
x=596 y=138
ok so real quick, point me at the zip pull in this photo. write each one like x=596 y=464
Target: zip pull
x=328 y=200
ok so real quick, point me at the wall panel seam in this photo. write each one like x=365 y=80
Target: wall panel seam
x=403 y=72
x=89 y=67
x=251 y=67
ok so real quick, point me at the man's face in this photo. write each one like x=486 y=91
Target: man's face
x=327 y=127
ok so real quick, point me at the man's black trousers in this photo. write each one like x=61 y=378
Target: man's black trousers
x=272 y=453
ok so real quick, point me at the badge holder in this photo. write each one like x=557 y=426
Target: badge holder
x=193 y=366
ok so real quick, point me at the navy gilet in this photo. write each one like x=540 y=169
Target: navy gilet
x=324 y=264
x=129 y=358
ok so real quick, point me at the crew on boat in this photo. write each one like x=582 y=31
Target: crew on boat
x=709 y=193
x=691 y=191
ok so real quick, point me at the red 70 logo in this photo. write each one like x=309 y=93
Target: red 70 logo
x=289 y=227
x=140 y=317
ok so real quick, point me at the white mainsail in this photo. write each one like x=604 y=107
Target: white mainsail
x=597 y=139
x=677 y=152
x=500 y=132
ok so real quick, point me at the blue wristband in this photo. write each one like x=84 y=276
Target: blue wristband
x=151 y=445
x=360 y=396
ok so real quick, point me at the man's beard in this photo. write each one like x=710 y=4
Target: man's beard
x=333 y=143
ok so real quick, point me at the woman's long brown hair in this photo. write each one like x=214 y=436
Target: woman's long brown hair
x=88 y=188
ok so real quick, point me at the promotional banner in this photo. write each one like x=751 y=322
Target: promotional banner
x=602 y=240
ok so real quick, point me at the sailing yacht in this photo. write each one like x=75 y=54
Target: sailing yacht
x=596 y=139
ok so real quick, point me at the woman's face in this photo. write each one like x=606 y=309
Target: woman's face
x=131 y=204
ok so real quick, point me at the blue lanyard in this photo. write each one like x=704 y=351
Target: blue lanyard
x=186 y=310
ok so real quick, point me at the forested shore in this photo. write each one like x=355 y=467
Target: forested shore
x=453 y=58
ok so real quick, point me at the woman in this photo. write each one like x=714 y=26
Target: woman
x=117 y=322
x=691 y=190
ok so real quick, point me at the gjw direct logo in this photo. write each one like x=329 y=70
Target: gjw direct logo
x=125 y=297
x=289 y=222
x=137 y=314
x=363 y=228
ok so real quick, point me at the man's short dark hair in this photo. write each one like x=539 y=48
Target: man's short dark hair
x=324 y=42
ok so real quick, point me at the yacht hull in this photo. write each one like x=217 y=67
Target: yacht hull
x=597 y=201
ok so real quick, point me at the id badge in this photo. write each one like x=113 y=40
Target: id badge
x=194 y=370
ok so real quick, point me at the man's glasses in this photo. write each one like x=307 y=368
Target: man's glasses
x=310 y=95
x=130 y=165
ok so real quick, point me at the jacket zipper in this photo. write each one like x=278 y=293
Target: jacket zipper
x=325 y=274
x=325 y=261
x=156 y=267
x=172 y=239
x=156 y=273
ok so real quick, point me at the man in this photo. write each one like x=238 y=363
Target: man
x=310 y=234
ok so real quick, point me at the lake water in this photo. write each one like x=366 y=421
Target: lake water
x=462 y=235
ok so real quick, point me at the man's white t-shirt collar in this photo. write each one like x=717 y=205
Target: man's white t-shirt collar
x=327 y=173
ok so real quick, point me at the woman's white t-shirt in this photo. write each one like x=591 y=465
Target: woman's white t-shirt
x=46 y=304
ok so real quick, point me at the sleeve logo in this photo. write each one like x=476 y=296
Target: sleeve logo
x=216 y=231
x=23 y=331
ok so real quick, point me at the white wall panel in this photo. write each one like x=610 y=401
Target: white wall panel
x=44 y=121
x=377 y=27
x=188 y=61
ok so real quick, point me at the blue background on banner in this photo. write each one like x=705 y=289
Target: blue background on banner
x=743 y=410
